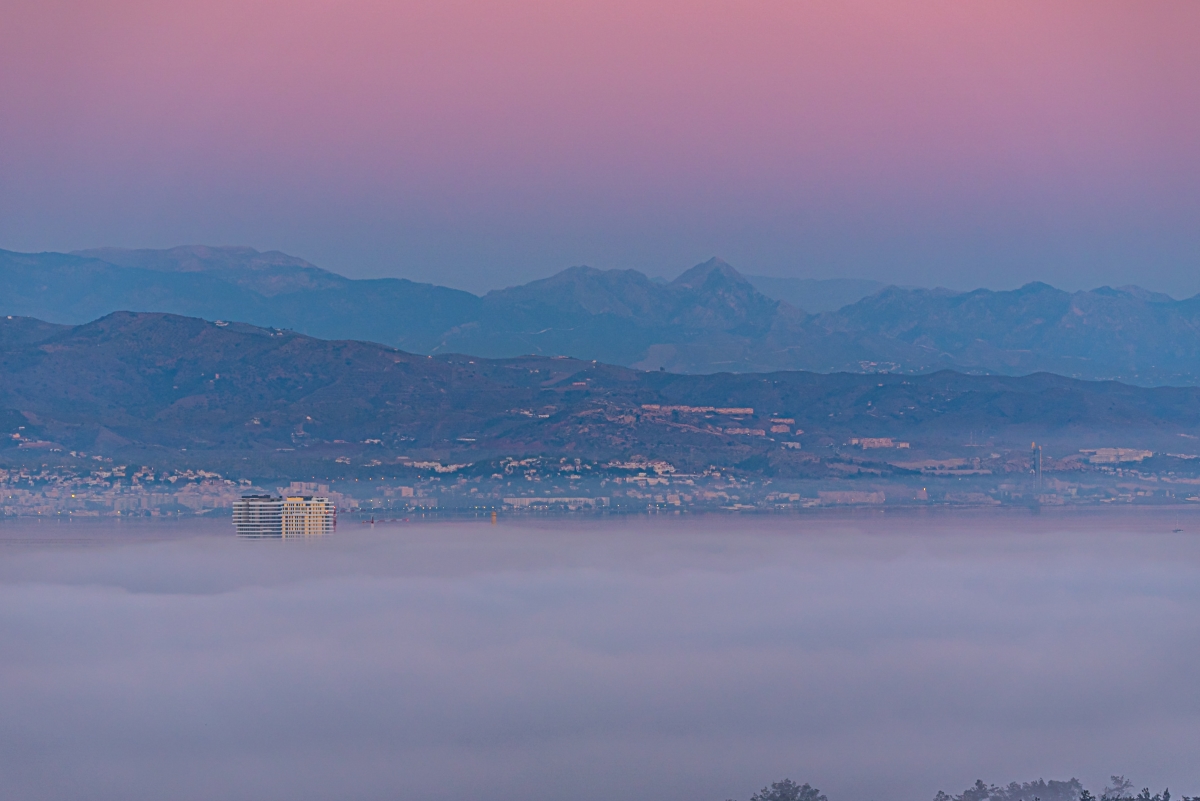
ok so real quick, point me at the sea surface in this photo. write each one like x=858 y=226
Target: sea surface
x=879 y=656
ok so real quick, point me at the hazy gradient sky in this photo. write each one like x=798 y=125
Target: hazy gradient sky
x=484 y=142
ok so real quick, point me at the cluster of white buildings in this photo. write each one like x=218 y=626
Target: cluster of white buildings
x=115 y=491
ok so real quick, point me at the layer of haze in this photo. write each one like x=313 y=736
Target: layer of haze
x=879 y=657
x=489 y=142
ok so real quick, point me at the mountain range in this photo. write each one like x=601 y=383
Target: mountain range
x=709 y=319
x=155 y=387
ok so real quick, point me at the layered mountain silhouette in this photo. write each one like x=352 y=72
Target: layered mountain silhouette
x=710 y=319
x=270 y=289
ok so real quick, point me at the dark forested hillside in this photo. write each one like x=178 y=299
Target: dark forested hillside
x=165 y=383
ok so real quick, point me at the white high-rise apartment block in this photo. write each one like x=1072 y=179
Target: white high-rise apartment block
x=258 y=516
x=293 y=516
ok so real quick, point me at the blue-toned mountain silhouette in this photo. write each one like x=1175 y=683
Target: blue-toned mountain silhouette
x=710 y=319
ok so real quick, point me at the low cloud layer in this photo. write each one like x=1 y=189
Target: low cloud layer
x=874 y=656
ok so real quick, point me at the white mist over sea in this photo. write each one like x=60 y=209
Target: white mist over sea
x=878 y=656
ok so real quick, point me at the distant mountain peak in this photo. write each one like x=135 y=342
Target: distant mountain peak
x=703 y=273
x=1034 y=287
x=584 y=273
x=266 y=272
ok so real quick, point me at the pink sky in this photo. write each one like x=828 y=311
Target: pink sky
x=481 y=143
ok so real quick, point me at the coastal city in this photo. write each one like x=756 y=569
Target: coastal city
x=856 y=476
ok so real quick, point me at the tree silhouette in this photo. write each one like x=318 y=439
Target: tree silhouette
x=788 y=790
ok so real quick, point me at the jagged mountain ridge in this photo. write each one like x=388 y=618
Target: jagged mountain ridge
x=1127 y=334
x=709 y=319
x=622 y=317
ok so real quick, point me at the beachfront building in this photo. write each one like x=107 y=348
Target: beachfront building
x=291 y=516
x=258 y=516
x=307 y=516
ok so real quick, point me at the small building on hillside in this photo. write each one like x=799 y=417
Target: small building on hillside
x=1116 y=455
x=866 y=443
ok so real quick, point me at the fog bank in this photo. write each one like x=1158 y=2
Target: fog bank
x=874 y=656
